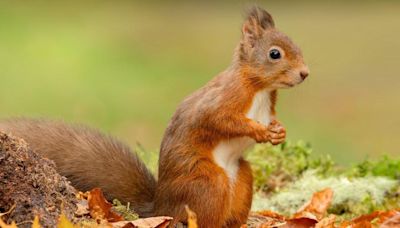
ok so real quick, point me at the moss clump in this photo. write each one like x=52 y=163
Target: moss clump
x=124 y=210
x=286 y=176
x=352 y=196
x=275 y=166
x=385 y=166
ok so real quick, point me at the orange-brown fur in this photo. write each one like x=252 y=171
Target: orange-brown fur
x=216 y=112
x=188 y=172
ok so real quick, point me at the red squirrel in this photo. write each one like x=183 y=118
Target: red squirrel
x=201 y=163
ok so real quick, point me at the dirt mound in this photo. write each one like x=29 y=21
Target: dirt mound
x=31 y=184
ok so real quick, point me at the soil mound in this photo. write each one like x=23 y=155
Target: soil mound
x=31 y=186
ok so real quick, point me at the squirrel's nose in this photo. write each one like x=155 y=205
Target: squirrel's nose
x=304 y=73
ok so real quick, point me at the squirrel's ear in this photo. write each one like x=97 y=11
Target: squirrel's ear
x=257 y=21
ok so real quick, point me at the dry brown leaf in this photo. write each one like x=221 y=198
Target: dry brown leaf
x=367 y=217
x=299 y=223
x=265 y=219
x=122 y=224
x=35 y=223
x=129 y=225
x=362 y=224
x=328 y=222
x=366 y=220
x=311 y=212
x=82 y=195
x=308 y=216
x=391 y=222
x=384 y=216
x=100 y=208
x=192 y=218
x=271 y=214
x=317 y=206
x=152 y=222
x=82 y=208
x=266 y=226
x=273 y=219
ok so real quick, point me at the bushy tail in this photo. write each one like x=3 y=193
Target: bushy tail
x=89 y=159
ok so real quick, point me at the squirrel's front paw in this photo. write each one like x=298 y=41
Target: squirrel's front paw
x=277 y=133
x=262 y=135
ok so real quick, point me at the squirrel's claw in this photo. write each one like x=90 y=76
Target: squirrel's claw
x=277 y=132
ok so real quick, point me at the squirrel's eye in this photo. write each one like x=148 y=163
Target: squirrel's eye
x=274 y=54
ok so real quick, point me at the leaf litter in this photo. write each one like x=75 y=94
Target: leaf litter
x=93 y=210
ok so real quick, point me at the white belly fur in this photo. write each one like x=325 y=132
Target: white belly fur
x=228 y=152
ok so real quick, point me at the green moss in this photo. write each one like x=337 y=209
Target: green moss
x=286 y=176
x=274 y=166
x=352 y=196
x=385 y=166
x=124 y=210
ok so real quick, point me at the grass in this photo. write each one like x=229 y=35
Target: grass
x=124 y=66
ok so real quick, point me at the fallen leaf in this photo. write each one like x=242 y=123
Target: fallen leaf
x=362 y=224
x=122 y=224
x=192 y=218
x=367 y=217
x=366 y=220
x=271 y=214
x=317 y=206
x=129 y=225
x=63 y=222
x=100 y=208
x=5 y=225
x=312 y=212
x=391 y=222
x=299 y=223
x=328 y=222
x=384 y=216
x=308 y=216
x=151 y=222
x=82 y=196
x=35 y=223
x=265 y=219
x=82 y=208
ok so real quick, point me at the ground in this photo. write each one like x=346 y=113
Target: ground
x=31 y=186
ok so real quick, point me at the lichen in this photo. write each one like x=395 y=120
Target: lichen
x=351 y=195
x=287 y=175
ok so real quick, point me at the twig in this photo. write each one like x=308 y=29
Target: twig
x=9 y=211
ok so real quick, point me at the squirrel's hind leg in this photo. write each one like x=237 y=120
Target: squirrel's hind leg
x=204 y=189
x=242 y=196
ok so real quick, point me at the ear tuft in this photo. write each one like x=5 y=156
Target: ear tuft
x=261 y=17
x=256 y=21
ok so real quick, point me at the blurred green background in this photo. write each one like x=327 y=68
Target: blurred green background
x=124 y=66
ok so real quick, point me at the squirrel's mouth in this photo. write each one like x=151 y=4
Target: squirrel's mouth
x=287 y=84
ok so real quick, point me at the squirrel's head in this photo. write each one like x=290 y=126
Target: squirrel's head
x=267 y=56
